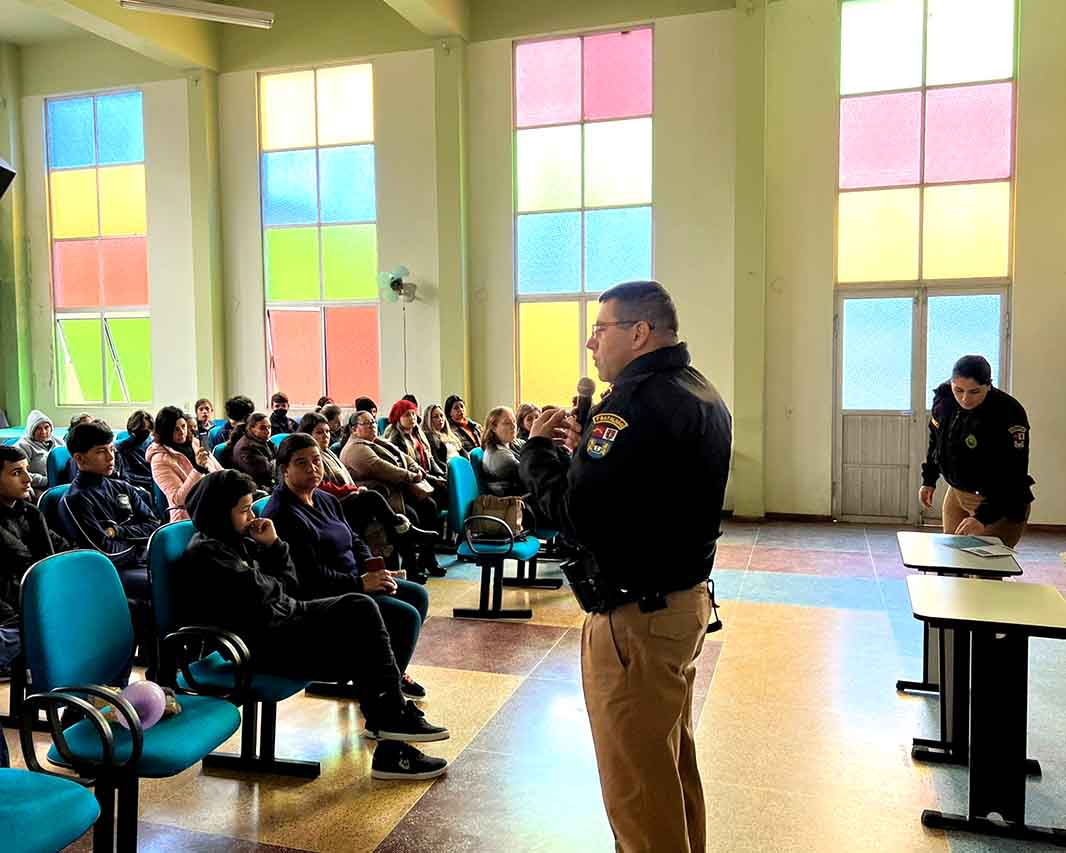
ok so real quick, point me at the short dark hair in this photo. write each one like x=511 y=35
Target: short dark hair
x=10 y=453
x=84 y=437
x=238 y=408
x=323 y=400
x=644 y=300
x=256 y=417
x=365 y=404
x=975 y=367
x=279 y=398
x=138 y=418
x=309 y=421
x=330 y=411
x=201 y=402
x=74 y=421
x=292 y=445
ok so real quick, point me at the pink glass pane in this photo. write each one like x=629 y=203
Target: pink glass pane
x=968 y=133
x=548 y=82
x=296 y=347
x=124 y=266
x=618 y=74
x=352 y=358
x=880 y=140
x=76 y=273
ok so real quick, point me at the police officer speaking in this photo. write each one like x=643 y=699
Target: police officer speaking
x=642 y=497
x=979 y=441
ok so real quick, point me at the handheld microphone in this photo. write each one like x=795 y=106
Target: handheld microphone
x=585 y=389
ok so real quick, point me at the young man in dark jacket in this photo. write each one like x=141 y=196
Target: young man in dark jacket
x=239 y=576
x=280 y=422
x=130 y=451
x=24 y=539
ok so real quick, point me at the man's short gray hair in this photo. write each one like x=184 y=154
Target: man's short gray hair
x=644 y=300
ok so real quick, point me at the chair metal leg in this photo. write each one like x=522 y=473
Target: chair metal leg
x=104 y=828
x=127 y=816
x=261 y=759
x=532 y=581
x=491 y=579
x=16 y=693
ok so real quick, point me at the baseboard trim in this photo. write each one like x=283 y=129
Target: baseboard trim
x=1047 y=528
x=799 y=516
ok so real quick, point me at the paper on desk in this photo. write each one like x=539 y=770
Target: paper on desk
x=990 y=551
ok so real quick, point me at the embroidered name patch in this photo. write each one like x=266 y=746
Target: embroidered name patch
x=605 y=429
x=1017 y=433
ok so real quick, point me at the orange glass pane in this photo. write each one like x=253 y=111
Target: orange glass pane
x=296 y=350
x=76 y=273
x=352 y=353
x=124 y=268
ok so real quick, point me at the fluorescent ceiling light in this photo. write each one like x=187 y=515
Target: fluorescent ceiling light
x=204 y=11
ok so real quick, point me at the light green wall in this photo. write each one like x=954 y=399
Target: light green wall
x=86 y=63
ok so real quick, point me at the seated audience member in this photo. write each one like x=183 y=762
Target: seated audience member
x=280 y=422
x=37 y=442
x=527 y=414
x=237 y=411
x=411 y=398
x=24 y=539
x=365 y=404
x=383 y=467
x=130 y=451
x=362 y=505
x=467 y=431
x=331 y=560
x=82 y=418
x=332 y=413
x=324 y=400
x=499 y=465
x=177 y=459
x=443 y=443
x=404 y=432
x=72 y=467
x=205 y=419
x=254 y=452
x=256 y=593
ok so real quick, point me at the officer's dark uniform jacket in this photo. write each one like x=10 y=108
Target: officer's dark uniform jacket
x=984 y=451
x=644 y=491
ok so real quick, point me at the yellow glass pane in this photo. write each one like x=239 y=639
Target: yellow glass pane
x=965 y=231
x=877 y=236
x=122 y=201
x=618 y=162
x=548 y=359
x=74 y=203
x=287 y=110
x=346 y=104
x=592 y=310
x=548 y=166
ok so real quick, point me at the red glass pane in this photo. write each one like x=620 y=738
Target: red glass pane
x=968 y=133
x=124 y=267
x=880 y=140
x=548 y=82
x=618 y=74
x=352 y=353
x=296 y=347
x=76 y=273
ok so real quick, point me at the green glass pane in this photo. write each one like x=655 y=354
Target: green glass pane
x=291 y=264
x=880 y=45
x=78 y=369
x=969 y=40
x=350 y=261
x=548 y=163
x=129 y=378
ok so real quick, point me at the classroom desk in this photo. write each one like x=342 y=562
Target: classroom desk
x=997 y=619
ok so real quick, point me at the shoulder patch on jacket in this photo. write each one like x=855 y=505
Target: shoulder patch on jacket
x=1017 y=433
x=605 y=429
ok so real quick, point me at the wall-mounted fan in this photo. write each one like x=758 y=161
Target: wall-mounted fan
x=393 y=288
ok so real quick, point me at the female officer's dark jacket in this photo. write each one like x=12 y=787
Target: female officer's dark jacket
x=984 y=451
x=644 y=491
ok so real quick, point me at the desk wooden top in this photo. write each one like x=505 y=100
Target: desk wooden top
x=1035 y=609
x=928 y=552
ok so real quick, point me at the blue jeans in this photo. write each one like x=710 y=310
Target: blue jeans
x=10 y=646
x=403 y=614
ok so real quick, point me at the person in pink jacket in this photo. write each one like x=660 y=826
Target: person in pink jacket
x=177 y=459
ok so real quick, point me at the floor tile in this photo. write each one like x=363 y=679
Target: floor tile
x=514 y=648
x=157 y=838
x=812 y=591
x=811 y=562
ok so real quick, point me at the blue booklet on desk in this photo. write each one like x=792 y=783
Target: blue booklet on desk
x=962 y=542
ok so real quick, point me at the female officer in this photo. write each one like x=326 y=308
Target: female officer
x=979 y=441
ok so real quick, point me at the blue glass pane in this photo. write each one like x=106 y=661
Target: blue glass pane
x=289 y=188
x=347 y=184
x=958 y=326
x=70 y=133
x=549 y=253
x=877 y=353
x=617 y=246
x=120 y=128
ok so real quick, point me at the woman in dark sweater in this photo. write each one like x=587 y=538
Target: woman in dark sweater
x=331 y=560
x=253 y=454
x=256 y=593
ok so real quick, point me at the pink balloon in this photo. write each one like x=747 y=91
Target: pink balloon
x=148 y=700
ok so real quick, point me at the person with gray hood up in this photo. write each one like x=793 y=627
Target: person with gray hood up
x=38 y=441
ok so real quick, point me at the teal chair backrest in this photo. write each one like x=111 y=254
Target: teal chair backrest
x=48 y=504
x=213 y=435
x=219 y=422
x=9 y=441
x=217 y=451
x=122 y=435
x=477 y=458
x=259 y=505
x=276 y=440
x=58 y=466
x=165 y=549
x=462 y=490
x=75 y=621
x=383 y=424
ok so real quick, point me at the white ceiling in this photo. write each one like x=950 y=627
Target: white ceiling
x=23 y=24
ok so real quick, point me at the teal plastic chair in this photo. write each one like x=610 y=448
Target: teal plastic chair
x=48 y=504
x=221 y=672
x=217 y=451
x=40 y=813
x=276 y=440
x=259 y=505
x=383 y=424
x=58 y=466
x=78 y=636
x=219 y=422
x=489 y=555
x=159 y=500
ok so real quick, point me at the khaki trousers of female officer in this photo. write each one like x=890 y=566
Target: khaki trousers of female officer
x=637 y=671
x=960 y=505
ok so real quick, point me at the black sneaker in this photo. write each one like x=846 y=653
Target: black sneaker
x=405 y=763
x=409 y=726
x=418 y=536
x=411 y=688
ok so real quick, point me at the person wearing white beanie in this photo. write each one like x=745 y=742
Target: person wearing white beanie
x=37 y=442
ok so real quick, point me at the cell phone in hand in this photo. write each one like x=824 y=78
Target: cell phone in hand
x=375 y=564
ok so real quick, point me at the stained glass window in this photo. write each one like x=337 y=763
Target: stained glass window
x=320 y=247
x=583 y=194
x=926 y=140
x=99 y=228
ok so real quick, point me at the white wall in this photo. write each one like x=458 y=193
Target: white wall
x=405 y=140
x=693 y=176
x=170 y=254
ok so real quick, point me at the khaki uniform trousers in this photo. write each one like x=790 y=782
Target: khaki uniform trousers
x=960 y=505
x=637 y=671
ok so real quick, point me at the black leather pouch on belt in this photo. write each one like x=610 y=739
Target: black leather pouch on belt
x=587 y=584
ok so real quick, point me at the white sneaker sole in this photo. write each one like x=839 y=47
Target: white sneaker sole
x=408 y=737
x=412 y=777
